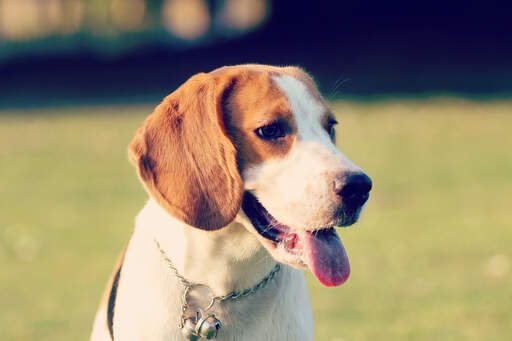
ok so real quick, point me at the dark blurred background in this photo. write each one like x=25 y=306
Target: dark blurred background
x=58 y=52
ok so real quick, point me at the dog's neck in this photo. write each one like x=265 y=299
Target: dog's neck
x=226 y=260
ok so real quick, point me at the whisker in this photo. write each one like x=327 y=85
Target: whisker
x=337 y=86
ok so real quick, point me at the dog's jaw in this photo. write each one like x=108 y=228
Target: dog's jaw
x=319 y=250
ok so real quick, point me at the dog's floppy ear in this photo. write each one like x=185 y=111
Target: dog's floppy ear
x=184 y=158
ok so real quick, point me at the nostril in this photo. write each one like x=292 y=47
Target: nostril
x=356 y=189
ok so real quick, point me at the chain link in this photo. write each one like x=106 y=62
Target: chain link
x=234 y=295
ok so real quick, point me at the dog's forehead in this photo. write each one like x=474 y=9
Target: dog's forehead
x=306 y=104
x=266 y=91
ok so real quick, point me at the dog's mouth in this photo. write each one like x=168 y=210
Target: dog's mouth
x=320 y=250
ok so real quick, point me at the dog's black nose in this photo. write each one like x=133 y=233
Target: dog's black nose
x=356 y=189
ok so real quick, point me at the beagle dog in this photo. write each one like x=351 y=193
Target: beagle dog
x=242 y=174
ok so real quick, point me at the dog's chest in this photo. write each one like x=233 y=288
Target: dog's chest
x=149 y=305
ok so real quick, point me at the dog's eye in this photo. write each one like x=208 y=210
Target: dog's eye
x=271 y=132
x=330 y=127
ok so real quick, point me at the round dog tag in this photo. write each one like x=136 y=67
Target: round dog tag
x=208 y=327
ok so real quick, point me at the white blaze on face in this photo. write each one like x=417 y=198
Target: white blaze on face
x=298 y=189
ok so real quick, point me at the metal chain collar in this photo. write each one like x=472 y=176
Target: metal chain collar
x=230 y=296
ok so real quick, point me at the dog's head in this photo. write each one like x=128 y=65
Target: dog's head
x=255 y=143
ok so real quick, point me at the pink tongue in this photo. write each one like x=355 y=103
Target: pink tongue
x=326 y=256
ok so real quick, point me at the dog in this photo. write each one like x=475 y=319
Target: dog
x=242 y=173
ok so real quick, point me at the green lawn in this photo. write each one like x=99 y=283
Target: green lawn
x=431 y=257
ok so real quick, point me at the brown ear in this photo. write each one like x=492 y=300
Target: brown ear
x=184 y=158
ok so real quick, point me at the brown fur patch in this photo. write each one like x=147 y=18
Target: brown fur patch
x=257 y=101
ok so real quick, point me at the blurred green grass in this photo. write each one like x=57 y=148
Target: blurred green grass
x=431 y=257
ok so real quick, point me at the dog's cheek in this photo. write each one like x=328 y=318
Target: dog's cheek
x=294 y=189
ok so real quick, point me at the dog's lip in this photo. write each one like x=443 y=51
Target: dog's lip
x=320 y=249
x=266 y=225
